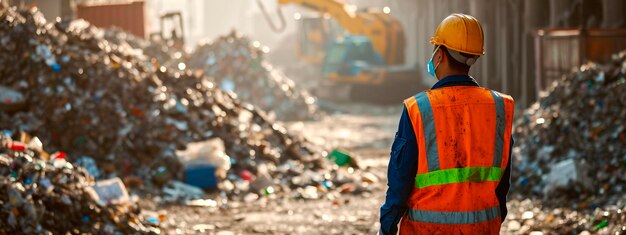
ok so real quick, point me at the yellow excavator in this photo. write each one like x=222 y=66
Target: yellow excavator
x=366 y=54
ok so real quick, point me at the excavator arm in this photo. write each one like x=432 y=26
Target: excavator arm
x=343 y=13
x=384 y=31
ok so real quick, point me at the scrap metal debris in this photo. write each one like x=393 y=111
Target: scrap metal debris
x=237 y=64
x=571 y=149
x=44 y=194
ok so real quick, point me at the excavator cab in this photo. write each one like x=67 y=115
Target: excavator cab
x=359 y=73
x=349 y=56
x=315 y=35
x=313 y=40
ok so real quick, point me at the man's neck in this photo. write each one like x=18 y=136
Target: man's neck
x=452 y=74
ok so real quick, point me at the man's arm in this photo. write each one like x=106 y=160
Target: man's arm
x=505 y=183
x=400 y=175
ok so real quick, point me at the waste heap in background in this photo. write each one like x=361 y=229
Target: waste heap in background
x=44 y=194
x=169 y=57
x=87 y=96
x=237 y=64
x=571 y=146
x=108 y=103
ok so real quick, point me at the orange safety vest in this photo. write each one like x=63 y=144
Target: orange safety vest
x=463 y=138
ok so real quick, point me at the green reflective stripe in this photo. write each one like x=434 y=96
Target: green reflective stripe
x=463 y=217
x=458 y=175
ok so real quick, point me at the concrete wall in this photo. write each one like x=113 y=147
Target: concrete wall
x=613 y=12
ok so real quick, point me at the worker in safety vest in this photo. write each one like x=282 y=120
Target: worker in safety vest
x=449 y=171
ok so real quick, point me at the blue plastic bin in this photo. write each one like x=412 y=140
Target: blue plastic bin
x=201 y=176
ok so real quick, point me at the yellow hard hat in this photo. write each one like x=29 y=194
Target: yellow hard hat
x=460 y=32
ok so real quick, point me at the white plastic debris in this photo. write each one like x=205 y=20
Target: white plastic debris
x=564 y=172
x=108 y=192
x=177 y=190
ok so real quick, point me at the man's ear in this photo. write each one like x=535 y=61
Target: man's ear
x=439 y=56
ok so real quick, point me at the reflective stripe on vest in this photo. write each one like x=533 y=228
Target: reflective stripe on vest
x=430 y=135
x=465 y=217
x=458 y=175
x=500 y=123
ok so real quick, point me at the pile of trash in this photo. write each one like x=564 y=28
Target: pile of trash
x=528 y=217
x=42 y=193
x=571 y=144
x=237 y=64
x=89 y=97
x=111 y=105
x=167 y=56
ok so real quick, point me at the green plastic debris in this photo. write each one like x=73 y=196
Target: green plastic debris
x=601 y=225
x=340 y=158
x=269 y=190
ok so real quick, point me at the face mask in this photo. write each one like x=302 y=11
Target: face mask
x=431 y=67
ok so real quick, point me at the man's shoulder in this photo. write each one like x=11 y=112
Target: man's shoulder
x=503 y=95
x=413 y=99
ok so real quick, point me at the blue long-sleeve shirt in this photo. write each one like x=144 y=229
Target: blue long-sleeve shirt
x=403 y=166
